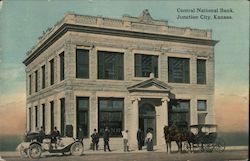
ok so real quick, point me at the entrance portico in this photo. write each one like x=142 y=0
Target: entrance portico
x=149 y=109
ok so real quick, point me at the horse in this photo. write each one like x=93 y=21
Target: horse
x=179 y=136
x=172 y=134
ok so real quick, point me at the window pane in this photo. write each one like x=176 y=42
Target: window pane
x=202 y=105
x=62 y=100
x=111 y=115
x=110 y=65
x=51 y=115
x=43 y=76
x=43 y=116
x=178 y=70
x=82 y=63
x=201 y=71
x=62 y=66
x=36 y=117
x=30 y=84
x=178 y=112
x=82 y=111
x=83 y=104
x=52 y=72
x=146 y=64
x=202 y=118
x=30 y=115
x=36 y=81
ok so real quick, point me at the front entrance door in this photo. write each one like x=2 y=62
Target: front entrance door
x=147 y=120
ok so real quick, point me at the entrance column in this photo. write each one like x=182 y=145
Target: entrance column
x=134 y=121
x=162 y=120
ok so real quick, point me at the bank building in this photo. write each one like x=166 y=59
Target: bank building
x=129 y=73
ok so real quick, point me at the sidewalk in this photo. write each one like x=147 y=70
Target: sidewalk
x=9 y=154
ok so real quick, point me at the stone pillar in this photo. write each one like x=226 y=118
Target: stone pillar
x=193 y=70
x=193 y=112
x=134 y=121
x=162 y=120
x=70 y=112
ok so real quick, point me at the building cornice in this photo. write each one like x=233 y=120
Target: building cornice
x=111 y=32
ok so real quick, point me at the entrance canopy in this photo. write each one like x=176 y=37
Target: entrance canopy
x=151 y=87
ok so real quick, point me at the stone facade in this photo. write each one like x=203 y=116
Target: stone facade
x=129 y=36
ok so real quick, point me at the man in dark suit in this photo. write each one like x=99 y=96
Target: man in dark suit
x=106 y=139
x=140 y=139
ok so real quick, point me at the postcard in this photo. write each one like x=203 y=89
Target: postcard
x=124 y=80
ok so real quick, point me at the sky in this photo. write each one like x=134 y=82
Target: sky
x=22 y=22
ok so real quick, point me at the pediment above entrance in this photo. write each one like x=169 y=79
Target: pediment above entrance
x=150 y=85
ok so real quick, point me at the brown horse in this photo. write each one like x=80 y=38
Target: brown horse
x=175 y=134
x=172 y=134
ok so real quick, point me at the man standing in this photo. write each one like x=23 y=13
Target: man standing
x=125 y=140
x=106 y=139
x=95 y=140
x=140 y=139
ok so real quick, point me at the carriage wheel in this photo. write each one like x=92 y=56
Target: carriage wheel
x=201 y=146
x=187 y=147
x=220 y=145
x=76 y=149
x=34 y=151
x=209 y=147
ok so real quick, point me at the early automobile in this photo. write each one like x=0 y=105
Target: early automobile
x=33 y=146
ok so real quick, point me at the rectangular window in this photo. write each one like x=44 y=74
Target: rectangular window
x=36 y=81
x=30 y=115
x=52 y=115
x=178 y=70
x=52 y=74
x=202 y=118
x=179 y=113
x=43 y=77
x=43 y=116
x=82 y=110
x=61 y=66
x=62 y=100
x=111 y=115
x=36 y=117
x=110 y=65
x=30 y=84
x=82 y=63
x=146 y=64
x=201 y=105
x=201 y=71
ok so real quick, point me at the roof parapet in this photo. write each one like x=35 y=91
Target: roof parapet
x=143 y=23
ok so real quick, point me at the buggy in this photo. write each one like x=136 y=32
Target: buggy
x=205 y=138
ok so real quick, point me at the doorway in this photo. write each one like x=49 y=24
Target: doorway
x=147 y=120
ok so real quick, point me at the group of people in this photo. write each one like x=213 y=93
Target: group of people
x=141 y=140
x=54 y=136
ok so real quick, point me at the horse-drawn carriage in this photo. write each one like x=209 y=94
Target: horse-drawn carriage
x=202 y=137
x=205 y=139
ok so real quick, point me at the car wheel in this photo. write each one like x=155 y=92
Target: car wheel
x=76 y=149
x=34 y=151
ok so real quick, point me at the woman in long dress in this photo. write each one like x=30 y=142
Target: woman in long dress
x=149 y=141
